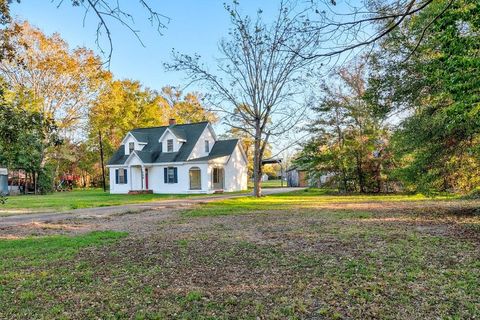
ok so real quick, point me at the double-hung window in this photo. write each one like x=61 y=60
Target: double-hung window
x=170 y=175
x=207 y=146
x=131 y=147
x=170 y=145
x=121 y=176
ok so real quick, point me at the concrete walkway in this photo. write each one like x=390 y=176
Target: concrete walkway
x=101 y=212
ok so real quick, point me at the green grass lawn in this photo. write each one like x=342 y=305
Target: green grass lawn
x=303 y=199
x=270 y=184
x=305 y=255
x=76 y=199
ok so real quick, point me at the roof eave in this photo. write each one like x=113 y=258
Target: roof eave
x=173 y=133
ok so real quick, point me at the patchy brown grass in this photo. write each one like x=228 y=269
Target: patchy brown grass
x=398 y=260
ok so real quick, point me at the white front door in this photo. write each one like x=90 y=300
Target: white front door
x=218 y=178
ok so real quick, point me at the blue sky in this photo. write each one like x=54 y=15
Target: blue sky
x=195 y=27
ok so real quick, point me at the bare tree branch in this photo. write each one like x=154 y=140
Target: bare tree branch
x=257 y=79
x=105 y=10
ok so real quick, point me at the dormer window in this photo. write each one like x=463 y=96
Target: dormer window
x=131 y=147
x=170 y=145
x=207 y=146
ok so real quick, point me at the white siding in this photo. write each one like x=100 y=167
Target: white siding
x=236 y=172
x=198 y=150
x=176 y=144
x=157 y=183
x=235 y=169
x=119 y=188
x=138 y=146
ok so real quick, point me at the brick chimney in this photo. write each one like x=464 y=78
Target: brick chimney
x=172 y=122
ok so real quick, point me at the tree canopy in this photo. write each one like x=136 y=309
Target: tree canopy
x=438 y=87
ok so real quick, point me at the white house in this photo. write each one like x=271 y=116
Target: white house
x=185 y=158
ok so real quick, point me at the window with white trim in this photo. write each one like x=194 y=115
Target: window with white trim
x=170 y=145
x=195 y=178
x=170 y=175
x=121 y=176
x=207 y=146
x=131 y=147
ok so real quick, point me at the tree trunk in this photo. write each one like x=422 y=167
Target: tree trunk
x=84 y=176
x=361 y=180
x=35 y=182
x=101 y=161
x=344 y=180
x=257 y=162
x=257 y=169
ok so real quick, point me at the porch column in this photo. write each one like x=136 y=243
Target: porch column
x=130 y=176
x=143 y=177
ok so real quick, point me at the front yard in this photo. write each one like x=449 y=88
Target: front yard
x=292 y=256
x=77 y=199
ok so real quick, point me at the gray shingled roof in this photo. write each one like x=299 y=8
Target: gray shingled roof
x=152 y=152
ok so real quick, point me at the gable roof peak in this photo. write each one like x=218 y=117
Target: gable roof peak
x=152 y=150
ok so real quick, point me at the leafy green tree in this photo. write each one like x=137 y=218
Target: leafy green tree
x=62 y=82
x=350 y=137
x=24 y=134
x=428 y=70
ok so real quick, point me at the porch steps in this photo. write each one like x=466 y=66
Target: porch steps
x=140 y=191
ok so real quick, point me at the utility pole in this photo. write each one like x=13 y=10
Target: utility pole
x=101 y=160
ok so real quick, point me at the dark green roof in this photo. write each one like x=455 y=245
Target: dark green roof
x=152 y=152
x=179 y=132
x=140 y=136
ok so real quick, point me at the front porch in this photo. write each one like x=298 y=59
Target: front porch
x=138 y=179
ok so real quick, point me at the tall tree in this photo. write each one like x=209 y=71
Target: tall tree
x=24 y=134
x=437 y=90
x=63 y=82
x=124 y=105
x=260 y=75
x=350 y=138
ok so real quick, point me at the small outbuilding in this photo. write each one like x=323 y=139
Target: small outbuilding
x=3 y=181
x=297 y=177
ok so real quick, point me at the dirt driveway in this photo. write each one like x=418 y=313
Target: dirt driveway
x=160 y=208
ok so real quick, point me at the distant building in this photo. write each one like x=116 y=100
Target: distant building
x=3 y=181
x=297 y=177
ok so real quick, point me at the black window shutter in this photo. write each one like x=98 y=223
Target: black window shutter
x=165 y=175
x=175 y=176
x=116 y=176
x=125 y=175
